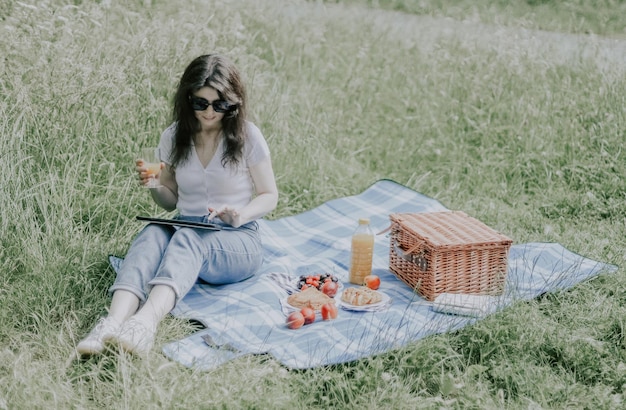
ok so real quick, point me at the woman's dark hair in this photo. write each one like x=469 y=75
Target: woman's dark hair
x=219 y=73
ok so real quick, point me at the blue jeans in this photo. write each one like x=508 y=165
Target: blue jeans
x=177 y=257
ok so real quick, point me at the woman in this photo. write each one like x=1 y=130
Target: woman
x=216 y=167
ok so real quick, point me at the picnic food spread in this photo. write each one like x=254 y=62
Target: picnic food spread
x=361 y=296
x=316 y=297
x=309 y=297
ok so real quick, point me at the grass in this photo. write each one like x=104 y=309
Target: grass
x=572 y=16
x=519 y=130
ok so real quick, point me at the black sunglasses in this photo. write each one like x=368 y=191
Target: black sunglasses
x=221 y=106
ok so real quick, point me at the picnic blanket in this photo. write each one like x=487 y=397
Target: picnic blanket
x=248 y=317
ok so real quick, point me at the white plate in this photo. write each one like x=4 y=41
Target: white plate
x=374 y=306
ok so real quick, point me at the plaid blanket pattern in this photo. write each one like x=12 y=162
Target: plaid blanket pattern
x=247 y=318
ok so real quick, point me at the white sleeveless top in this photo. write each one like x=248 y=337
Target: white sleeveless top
x=200 y=188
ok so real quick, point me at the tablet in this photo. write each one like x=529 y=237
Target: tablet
x=178 y=222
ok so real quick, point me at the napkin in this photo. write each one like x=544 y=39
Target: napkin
x=284 y=281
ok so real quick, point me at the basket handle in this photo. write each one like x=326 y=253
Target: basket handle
x=418 y=260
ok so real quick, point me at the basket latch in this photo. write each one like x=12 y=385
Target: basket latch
x=418 y=260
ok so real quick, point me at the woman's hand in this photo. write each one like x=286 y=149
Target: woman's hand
x=228 y=215
x=144 y=175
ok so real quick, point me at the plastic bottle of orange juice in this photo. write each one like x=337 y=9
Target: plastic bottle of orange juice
x=362 y=252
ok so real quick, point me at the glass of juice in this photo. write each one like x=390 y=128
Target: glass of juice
x=152 y=162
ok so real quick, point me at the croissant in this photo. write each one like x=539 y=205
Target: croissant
x=361 y=296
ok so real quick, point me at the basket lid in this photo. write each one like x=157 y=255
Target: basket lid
x=449 y=228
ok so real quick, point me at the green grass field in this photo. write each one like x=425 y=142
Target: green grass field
x=509 y=111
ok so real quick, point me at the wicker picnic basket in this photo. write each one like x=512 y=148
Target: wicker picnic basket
x=447 y=252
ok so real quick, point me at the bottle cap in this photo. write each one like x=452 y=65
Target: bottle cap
x=364 y=221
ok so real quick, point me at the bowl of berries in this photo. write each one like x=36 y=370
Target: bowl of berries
x=324 y=282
